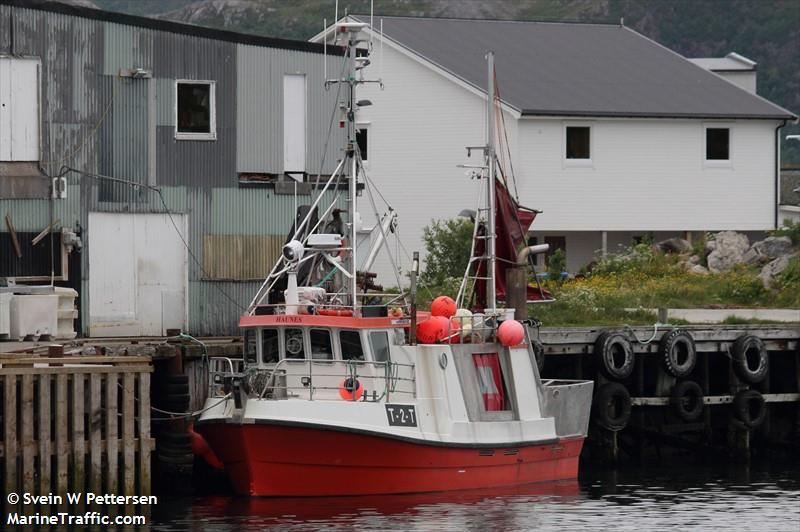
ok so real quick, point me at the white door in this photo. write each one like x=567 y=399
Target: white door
x=138 y=274
x=19 y=109
x=294 y=123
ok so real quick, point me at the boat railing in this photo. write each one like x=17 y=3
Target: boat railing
x=221 y=373
x=354 y=380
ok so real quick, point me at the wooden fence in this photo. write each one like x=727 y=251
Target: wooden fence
x=76 y=424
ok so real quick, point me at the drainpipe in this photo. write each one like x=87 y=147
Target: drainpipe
x=778 y=171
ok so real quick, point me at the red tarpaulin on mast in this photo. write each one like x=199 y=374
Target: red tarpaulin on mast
x=512 y=222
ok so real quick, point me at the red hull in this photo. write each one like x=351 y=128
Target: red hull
x=285 y=461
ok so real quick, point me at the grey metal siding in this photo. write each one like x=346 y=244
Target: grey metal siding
x=260 y=118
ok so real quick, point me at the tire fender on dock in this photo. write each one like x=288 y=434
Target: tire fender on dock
x=612 y=406
x=687 y=399
x=678 y=352
x=615 y=354
x=749 y=409
x=750 y=359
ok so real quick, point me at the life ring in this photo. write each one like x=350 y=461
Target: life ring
x=612 y=406
x=750 y=359
x=687 y=399
x=334 y=312
x=350 y=389
x=616 y=355
x=749 y=408
x=678 y=352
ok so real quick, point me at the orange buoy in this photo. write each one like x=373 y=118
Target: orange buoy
x=350 y=389
x=443 y=306
x=511 y=332
x=432 y=330
x=334 y=312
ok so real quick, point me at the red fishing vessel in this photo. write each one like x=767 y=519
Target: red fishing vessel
x=341 y=392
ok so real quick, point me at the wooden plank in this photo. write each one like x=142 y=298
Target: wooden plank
x=26 y=428
x=112 y=444
x=123 y=360
x=78 y=435
x=45 y=443
x=38 y=238
x=10 y=432
x=13 y=233
x=61 y=435
x=84 y=370
x=128 y=405
x=95 y=434
x=717 y=399
x=145 y=446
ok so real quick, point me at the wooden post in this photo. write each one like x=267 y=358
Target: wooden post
x=112 y=433
x=128 y=405
x=517 y=291
x=62 y=458
x=144 y=432
x=95 y=433
x=27 y=420
x=78 y=435
x=10 y=431
x=45 y=444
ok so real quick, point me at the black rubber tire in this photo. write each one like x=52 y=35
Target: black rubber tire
x=746 y=350
x=687 y=399
x=614 y=353
x=183 y=459
x=678 y=352
x=176 y=379
x=612 y=406
x=744 y=403
x=172 y=388
x=174 y=451
x=174 y=438
x=538 y=352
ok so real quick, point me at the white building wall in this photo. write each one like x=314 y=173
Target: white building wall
x=648 y=175
x=419 y=126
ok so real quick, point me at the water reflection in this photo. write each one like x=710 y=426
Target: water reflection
x=689 y=498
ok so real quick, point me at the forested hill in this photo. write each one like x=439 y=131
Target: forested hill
x=766 y=31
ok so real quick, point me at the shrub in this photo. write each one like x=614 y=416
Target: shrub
x=790 y=229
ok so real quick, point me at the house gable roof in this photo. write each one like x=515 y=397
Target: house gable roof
x=572 y=69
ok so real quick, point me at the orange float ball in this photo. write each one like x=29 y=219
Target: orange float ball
x=443 y=306
x=510 y=333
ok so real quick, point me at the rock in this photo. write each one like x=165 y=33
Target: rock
x=753 y=257
x=773 y=246
x=773 y=268
x=727 y=250
x=694 y=259
x=699 y=269
x=674 y=245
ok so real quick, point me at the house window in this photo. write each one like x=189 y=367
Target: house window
x=362 y=134
x=196 y=110
x=578 y=142
x=718 y=144
x=555 y=243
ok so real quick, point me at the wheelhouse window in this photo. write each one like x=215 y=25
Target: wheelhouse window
x=350 y=342
x=379 y=340
x=249 y=341
x=293 y=339
x=321 y=347
x=718 y=144
x=270 y=348
x=196 y=110
x=578 y=144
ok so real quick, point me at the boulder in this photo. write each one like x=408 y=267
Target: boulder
x=753 y=257
x=727 y=250
x=773 y=246
x=699 y=269
x=693 y=260
x=674 y=245
x=773 y=268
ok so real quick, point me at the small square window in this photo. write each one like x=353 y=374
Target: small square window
x=196 y=110
x=361 y=139
x=350 y=342
x=718 y=141
x=321 y=348
x=578 y=142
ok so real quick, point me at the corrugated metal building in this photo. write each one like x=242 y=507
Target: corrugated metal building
x=213 y=119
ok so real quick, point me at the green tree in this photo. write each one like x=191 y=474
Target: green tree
x=447 y=243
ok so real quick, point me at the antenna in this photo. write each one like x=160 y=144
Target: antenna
x=336 y=15
x=380 y=67
x=324 y=52
x=371 y=10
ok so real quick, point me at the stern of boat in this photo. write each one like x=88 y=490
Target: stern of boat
x=569 y=402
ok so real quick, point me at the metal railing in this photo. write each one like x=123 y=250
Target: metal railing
x=295 y=378
x=221 y=372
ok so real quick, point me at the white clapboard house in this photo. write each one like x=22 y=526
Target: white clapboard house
x=611 y=135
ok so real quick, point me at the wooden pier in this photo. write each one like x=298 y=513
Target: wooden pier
x=75 y=424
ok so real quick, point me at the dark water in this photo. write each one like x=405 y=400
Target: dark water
x=689 y=498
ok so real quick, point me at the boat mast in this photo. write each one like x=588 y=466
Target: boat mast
x=352 y=41
x=491 y=290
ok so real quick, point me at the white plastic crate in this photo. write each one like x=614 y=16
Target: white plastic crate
x=34 y=316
